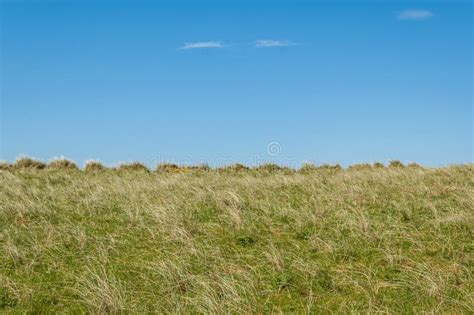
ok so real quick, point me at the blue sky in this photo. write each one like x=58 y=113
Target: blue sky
x=222 y=82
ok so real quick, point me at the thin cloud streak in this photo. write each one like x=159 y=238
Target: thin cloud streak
x=265 y=43
x=415 y=15
x=200 y=45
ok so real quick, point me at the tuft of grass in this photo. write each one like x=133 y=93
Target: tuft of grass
x=308 y=168
x=190 y=168
x=28 y=163
x=133 y=167
x=62 y=164
x=245 y=240
x=94 y=166
x=378 y=165
x=167 y=168
x=396 y=164
x=173 y=168
x=359 y=167
x=311 y=167
x=383 y=240
x=329 y=167
x=414 y=165
x=234 y=168
x=272 y=168
x=5 y=166
x=101 y=292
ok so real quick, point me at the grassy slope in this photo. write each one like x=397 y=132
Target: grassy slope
x=396 y=240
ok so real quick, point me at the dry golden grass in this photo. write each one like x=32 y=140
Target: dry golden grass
x=234 y=168
x=358 y=167
x=308 y=168
x=4 y=166
x=385 y=240
x=133 y=167
x=378 y=165
x=94 y=166
x=167 y=168
x=62 y=164
x=28 y=163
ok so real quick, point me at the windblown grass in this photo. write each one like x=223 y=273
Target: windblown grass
x=5 y=166
x=378 y=165
x=28 y=163
x=133 y=167
x=308 y=167
x=396 y=164
x=167 y=168
x=271 y=168
x=94 y=166
x=62 y=164
x=362 y=166
x=335 y=167
x=233 y=168
x=386 y=240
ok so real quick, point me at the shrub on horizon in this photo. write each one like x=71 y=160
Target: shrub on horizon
x=62 y=164
x=396 y=164
x=378 y=165
x=28 y=163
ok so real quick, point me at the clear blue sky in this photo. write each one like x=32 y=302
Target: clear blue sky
x=217 y=81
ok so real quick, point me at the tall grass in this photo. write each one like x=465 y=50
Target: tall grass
x=4 y=166
x=370 y=240
x=28 y=163
x=133 y=167
x=94 y=166
x=25 y=162
x=62 y=164
x=233 y=168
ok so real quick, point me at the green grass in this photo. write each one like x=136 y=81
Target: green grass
x=391 y=240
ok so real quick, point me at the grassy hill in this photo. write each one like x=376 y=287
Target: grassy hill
x=397 y=240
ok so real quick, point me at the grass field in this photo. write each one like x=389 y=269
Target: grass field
x=390 y=240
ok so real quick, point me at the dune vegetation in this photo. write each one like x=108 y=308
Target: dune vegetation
x=367 y=239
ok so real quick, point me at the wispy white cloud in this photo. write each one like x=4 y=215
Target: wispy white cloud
x=415 y=15
x=263 y=43
x=197 y=45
